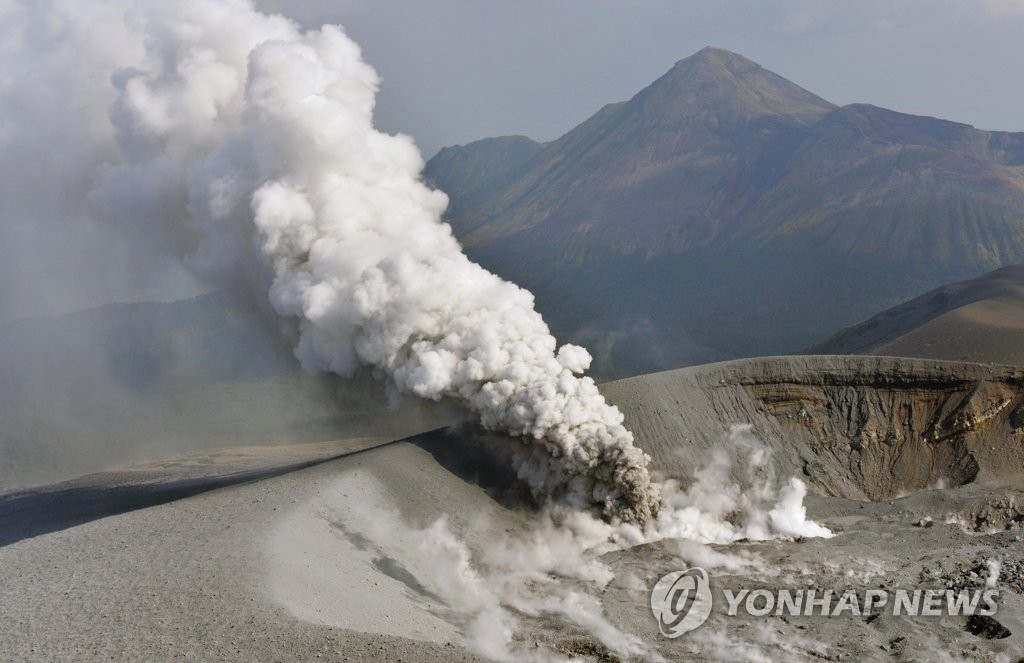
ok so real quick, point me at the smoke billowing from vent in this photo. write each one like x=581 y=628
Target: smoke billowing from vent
x=230 y=134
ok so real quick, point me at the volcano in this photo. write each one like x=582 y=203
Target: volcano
x=724 y=211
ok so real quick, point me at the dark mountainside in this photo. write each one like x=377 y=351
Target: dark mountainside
x=724 y=211
x=471 y=170
x=980 y=320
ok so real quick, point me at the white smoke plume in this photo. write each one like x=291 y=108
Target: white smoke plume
x=993 y=566
x=231 y=134
x=494 y=586
x=486 y=600
x=737 y=496
x=495 y=577
x=734 y=497
x=248 y=146
x=762 y=644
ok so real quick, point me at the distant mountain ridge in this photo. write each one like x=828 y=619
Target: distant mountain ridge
x=980 y=320
x=724 y=211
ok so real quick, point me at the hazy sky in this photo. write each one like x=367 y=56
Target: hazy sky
x=458 y=70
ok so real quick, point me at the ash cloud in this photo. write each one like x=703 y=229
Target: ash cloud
x=59 y=249
x=209 y=131
x=231 y=141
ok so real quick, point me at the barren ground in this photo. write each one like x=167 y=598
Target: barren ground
x=266 y=556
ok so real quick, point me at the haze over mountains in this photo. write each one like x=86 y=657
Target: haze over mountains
x=724 y=211
x=125 y=383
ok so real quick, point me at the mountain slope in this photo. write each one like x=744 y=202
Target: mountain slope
x=980 y=320
x=343 y=559
x=668 y=149
x=724 y=211
x=465 y=173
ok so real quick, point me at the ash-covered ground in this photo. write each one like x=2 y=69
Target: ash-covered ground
x=422 y=550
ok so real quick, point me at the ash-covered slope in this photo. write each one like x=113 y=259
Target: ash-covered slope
x=200 y=577
x=979 y=320
x=860 y=427
x=336 y=560
x=724 y=211
x=123 y=383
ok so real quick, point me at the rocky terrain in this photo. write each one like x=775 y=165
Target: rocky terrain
x=724 y=211
x=865 y=428
x=915 y=465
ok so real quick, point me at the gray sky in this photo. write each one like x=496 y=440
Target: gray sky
x=458 y=70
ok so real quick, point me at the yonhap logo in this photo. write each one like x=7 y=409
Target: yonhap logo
x=681 y=601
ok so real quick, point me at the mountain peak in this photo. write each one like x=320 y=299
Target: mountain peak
x=720 y=57
x=718 y=85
